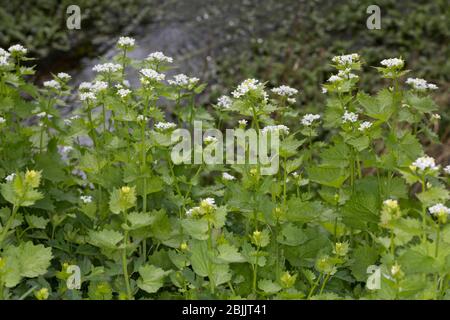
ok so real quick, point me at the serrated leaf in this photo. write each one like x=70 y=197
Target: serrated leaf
x=152 y=278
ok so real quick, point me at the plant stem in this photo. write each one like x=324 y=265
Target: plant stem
x=327 y=277
x=124 y=261
x=255 y=271
x=314 y=286
x=438 y=234
x=8 y=224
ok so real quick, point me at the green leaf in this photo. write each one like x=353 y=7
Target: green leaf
x=36 y=222
x=380 y=108
x=196 y=228
x=268 y=286
x=291 y=235
x=230 y=254
x=362 y=258
x=433 y=195
x=105 y=238
x=152 y=278
x=328 y=176
x=139 y=220
x=26 y=260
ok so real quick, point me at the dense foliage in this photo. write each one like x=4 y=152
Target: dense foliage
x=99 y=189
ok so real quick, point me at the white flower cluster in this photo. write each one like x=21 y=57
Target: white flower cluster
x=150 y=74
x=141 y=118
x=2 y=120
x=365 y=125
x=243 y=122
x=421 y=84
x=228 y=177
x=4 y=56
x=245 y=87
x=447 y=169
x=279 y=128
x=439 y=208
x=346 y=59
x=165 y=125
x=64 y=76
x=44 y=115
x=393 y=63
x=285 y=91
x=208 y=204
x=183 y=80
x=224 y=102
x=309 y=118
x=86 y=199
x=159 y=57
x=126 y=42
x=10 y=177
x=346 y=74
x=349 y=117
x=334 y=78
x=424 y=163
x=86 y=96
x=107 y=67
x=52 y=84
x=88 y=90
x=18 y=49
x=123 y=93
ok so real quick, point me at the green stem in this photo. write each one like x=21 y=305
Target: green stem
x=314 y=287
x=438 y=234
x=124 y=261
x=327 y=277
x=255 y=271
x=8 y=224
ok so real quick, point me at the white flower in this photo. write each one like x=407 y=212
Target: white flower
x=64 y=76
x=420 y=84
x=391 y=204
x=125 y=42
x=291 y=100
x=245 y=87
x=393 y=62
x=141 y=118
x=18 y=49
x=324 y=90
x=52 y=84
x=447 y=169
x=277 y=128
x=435 y=116
x=285 y=91
x=4 y=61
x=10 y=177
x=80 y=173
x=224 y=102
x=309 y=118
x=208 y=202
x=66 y=149
x=183 y=80
x=107 y=67
x=210 y=139
x=346 y=59
x=43 y=114
x=75 y=117
x=84 y=86
x=123 y=92
x=67 y=122
x=159 y=57
x=86 y=199
x=2 y=120
x=365 y=125
x=439 y=208
x=243 y=122
x=151 y=74
x=87 y=96
x=165 y=125
x=190 y=212
x=334 y=78
x=424 y=163
x=4 y=53
x=98 y=86
x=346 y=74
x=227 y=176
x=349 y=117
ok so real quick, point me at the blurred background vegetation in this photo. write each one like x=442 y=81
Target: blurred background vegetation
x=225 y=41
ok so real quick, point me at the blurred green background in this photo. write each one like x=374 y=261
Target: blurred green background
x=224 y=41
